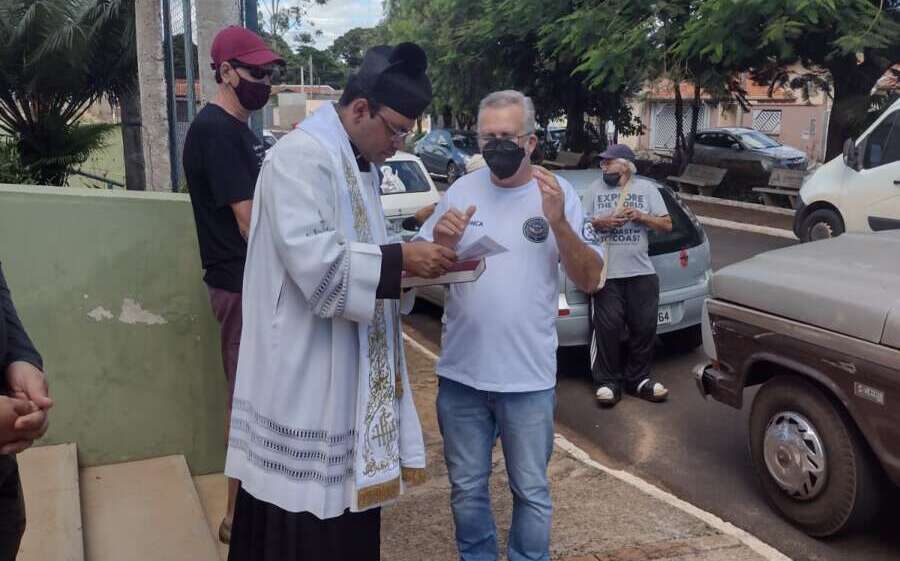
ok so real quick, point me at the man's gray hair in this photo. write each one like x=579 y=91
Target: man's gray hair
x=506 y=98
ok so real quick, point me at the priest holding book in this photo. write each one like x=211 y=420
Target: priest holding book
x=497 y=370
x=324 y=430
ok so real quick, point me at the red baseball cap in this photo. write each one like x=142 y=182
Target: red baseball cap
x=239 y=43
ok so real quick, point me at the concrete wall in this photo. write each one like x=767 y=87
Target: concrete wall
x=110 y=288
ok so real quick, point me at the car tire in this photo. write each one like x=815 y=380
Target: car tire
x=683 y=340
x=821 y=224
x=792 y=417
x=453 y=173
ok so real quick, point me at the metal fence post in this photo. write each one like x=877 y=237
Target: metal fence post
x=251 y=22
x=169 y=56
x=189 y=60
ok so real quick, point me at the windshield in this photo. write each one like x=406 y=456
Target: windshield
x=757 y=140
x=403 y=177
x=467 y=142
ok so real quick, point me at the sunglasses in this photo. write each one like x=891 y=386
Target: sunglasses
x=257 y=72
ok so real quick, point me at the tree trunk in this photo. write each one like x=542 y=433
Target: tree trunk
x=447 y=117
x=130 y=112
x=678 y=157
x=853 y=84
x=695 y=118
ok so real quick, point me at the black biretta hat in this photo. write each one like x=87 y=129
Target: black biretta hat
x=395 y=77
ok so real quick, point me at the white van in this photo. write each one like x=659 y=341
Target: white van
x=858 y=191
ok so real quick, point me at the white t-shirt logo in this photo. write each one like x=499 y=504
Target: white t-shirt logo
x=536 y=229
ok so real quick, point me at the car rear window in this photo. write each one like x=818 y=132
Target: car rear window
x=685 y=233
x=409 y=174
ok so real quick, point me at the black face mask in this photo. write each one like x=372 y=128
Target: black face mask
x=503 y=157
x=612 y=179
x=252 y=96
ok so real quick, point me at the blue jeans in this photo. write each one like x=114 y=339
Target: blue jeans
x=470 y=421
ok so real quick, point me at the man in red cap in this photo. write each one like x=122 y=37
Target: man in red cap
x=222 y=158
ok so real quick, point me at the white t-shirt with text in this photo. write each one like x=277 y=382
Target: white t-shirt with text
x=500 y=330
x=627 y=246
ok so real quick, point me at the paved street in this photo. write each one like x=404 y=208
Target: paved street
x=695 y=449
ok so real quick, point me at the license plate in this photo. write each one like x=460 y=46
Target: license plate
x=664 y=315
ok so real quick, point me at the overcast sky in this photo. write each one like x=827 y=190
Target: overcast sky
x=339 y=16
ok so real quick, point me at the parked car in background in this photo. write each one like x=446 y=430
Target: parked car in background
x=445 y=152
x=269 y=139
x=858 y=191
x=816 y=327
x=681 y=258
x=747 y=154
x=406 y=188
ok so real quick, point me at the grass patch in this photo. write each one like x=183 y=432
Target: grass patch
x=108 y=162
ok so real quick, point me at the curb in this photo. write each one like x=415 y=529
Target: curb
x=758 y=546
x=736 y=204
x=751 y=228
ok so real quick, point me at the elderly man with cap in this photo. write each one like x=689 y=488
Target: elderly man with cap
x=623 y=208
x=324 y=430
x=222 y=157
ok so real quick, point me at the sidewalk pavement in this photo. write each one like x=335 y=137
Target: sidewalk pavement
x=598 y=516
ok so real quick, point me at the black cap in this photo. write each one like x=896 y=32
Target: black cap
x=618 y=152
x=395 y=77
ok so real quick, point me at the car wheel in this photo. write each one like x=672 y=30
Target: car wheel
x=683 y=340
x=452 y=173
x=812 y=463
x=821 y=224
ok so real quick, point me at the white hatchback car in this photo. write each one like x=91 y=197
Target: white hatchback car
x=406 y=188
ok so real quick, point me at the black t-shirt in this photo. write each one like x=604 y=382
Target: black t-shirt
x=222 y=158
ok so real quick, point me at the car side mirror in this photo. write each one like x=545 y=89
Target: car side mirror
x=851 y=154
x=736 y=147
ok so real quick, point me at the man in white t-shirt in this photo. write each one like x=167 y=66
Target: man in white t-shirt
x=628 y=302
x=498 y=364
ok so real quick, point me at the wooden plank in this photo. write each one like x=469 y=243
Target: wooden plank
x=52 y=504
x=144 y=510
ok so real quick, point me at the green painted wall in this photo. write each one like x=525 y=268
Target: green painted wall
x=129 y=383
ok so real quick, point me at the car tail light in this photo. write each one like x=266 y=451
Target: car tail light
x=683 y=258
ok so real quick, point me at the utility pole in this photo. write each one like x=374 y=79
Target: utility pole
x=212 y=17
x=153 y=96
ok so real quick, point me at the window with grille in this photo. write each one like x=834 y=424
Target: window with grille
x=767 y=121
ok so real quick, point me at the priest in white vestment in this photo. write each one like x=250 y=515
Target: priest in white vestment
x=324 y=430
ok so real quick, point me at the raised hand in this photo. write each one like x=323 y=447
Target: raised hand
x=552 y=196
x=451 y=227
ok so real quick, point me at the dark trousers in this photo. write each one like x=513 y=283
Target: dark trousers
x=264 y=532
x=623 y=317
x=12 y=509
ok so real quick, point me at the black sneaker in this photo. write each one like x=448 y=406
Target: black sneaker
x=650 y=390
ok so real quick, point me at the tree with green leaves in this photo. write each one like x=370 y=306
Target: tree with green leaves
x=281 y=17
x=623 y=45
x=476 y=47
x=845 y=46
x=351 y=47
x=59 y=57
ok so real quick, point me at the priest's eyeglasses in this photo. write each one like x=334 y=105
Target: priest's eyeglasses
x=398 y=135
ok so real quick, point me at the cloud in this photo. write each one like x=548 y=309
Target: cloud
x=337 y=17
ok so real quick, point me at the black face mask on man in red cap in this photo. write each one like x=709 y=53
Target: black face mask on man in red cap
x=252 y=96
